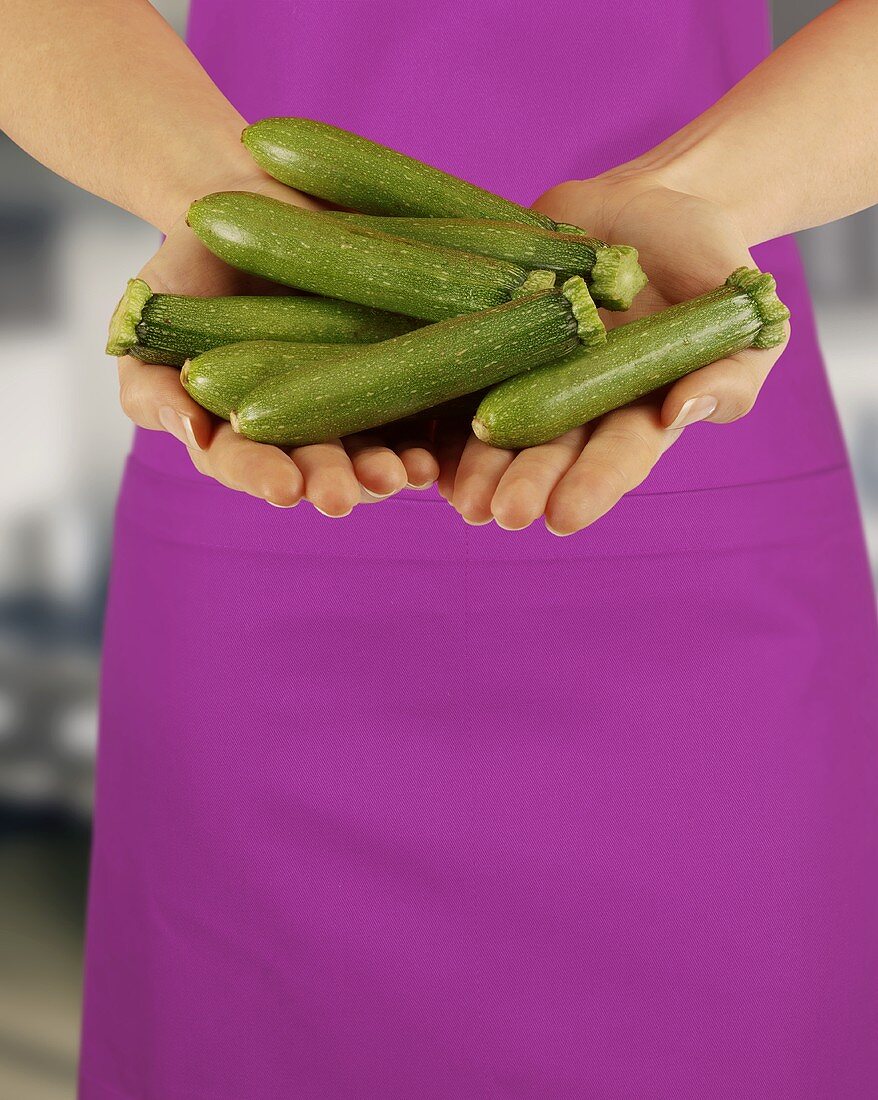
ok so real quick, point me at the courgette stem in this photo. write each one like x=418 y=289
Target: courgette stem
x=616 y=278
x=349 y=170
x=313 y=251
x=636 y=359
x=612 y=271
x=419 y=370
x=126 y=317
x=168 y=328
x=590 y=327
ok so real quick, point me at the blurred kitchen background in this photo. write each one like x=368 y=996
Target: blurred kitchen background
x=63 y=258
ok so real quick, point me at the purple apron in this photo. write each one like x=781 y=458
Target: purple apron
x=390 y=807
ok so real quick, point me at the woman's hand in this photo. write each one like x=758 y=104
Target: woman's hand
x=687 y=246
x=333 y=476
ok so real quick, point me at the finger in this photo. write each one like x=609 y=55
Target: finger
x=420 y=462
x=722 y=392
x=330 y=482
x=153 y=397
x=412 y=439
x=523 y=490
x=376 y=467
x=478 y=475
x=451 y=439
x=248 y=467
x=622 y=449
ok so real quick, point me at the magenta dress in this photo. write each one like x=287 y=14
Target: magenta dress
x=393 y=808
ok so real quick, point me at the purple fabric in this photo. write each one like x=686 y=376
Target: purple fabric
x=391 y=807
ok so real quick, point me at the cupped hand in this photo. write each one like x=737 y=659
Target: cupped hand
x=333 y=476
x=687 y=247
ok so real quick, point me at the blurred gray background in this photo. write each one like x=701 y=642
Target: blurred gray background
x=63 y=258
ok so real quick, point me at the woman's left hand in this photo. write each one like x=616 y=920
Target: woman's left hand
x=687 y=246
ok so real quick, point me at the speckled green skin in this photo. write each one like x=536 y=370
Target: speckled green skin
x=169 y=328
x=635 y=360
x=614 y=276
x=416 y=371
x=352 y=171
x=526 y=245
x=156 y=355
x=190 y=326
x=220 y=379
x=315 y=252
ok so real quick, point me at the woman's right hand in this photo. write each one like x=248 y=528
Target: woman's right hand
x=333 y=476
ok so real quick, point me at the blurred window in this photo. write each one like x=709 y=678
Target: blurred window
x=28 y=236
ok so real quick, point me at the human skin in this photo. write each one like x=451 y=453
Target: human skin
x=333 y=476
x=807 y=116
x=99 y=90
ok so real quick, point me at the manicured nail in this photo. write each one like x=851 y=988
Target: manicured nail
x=695 y=409
x=329 y=515
x=426 y=485
x=179 y=425
x=377 y=496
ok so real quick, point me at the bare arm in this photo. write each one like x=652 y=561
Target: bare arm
x=106 y=94
x=795 y=143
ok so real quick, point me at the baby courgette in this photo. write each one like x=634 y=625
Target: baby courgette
x=635 y=360
x=418 y=370
x=350 y=170
x=316 y=252
x=221 y=378
x=162 y=328
x=612 y=272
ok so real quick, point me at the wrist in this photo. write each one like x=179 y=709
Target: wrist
x=232 y=170
x=693 y=167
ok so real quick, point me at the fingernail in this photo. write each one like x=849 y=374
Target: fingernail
x=426 y=485
x=557 y=534
x=695 y=409
x=179 y=425
x=329 y=515
x=272 y=503
x=376 y=496
x=477 y=522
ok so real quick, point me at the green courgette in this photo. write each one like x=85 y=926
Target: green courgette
x=163 y=328
x=350 y=170
x=399 y=377
x=313 y=251
x=220 y=379
x=612 y=272
x=155 y=355
x=636 y=359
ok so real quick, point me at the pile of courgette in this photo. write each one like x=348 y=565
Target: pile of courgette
x=423 y=289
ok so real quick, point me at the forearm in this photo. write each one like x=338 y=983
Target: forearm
x=106 y=94
x=795 y=143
